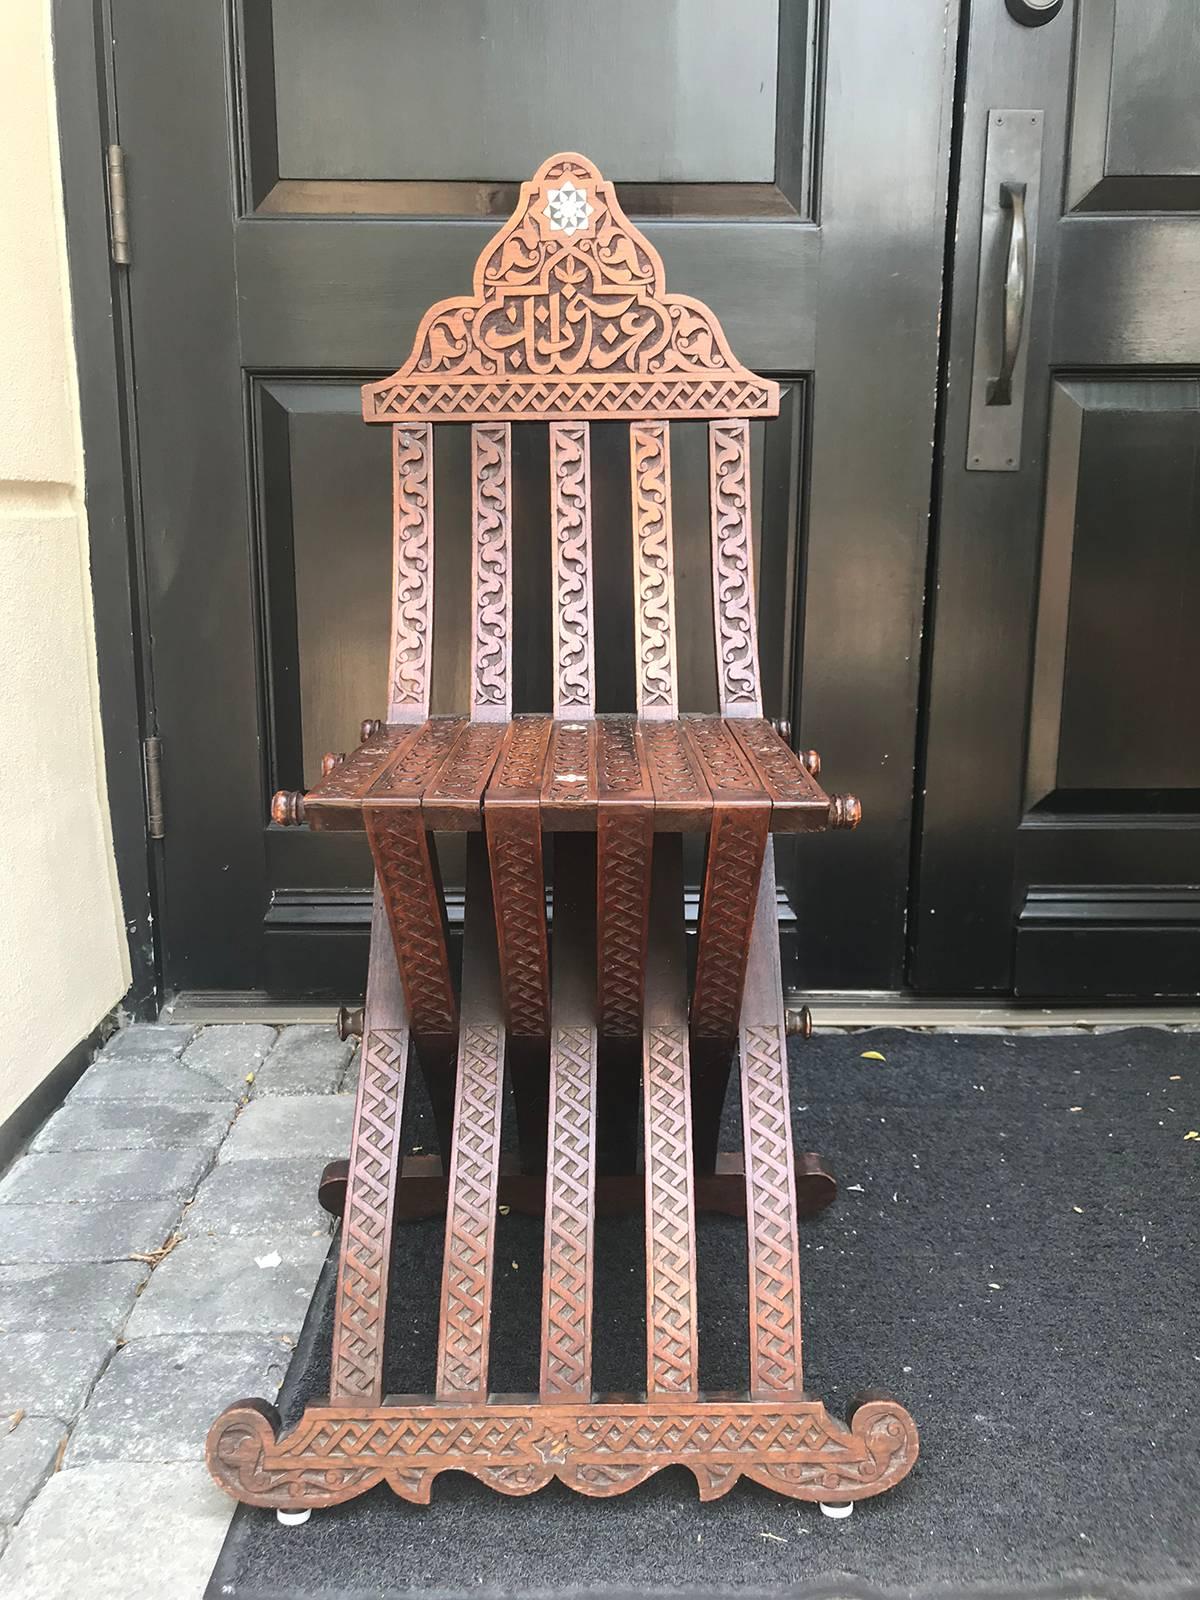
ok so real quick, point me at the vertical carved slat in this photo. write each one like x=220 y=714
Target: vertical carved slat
x=571 y=536
x=513 y=824
x=670 y=1198
x=491 y=572
x=471 y=1216
x=776 y=1367
x=412 y=555
x=566 y=1365
x=733 y=569
x=653 y=569
x=466 y=1315
x=625 y=835
x=356 y=1371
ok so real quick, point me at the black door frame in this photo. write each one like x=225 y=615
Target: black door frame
x=83 y=68
x=99 y=311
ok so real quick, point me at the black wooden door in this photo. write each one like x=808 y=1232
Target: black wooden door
x=1061 y=832
x=303 y=180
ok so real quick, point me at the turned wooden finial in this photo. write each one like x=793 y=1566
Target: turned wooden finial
x=783 y=728
x=349 y=1023
x=371 y=726
x=329 y=761
x=845 y=811
x=799 y=1022
x=287 y=808
x=810 y=761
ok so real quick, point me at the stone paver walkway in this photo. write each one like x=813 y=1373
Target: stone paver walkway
x=159 y=1242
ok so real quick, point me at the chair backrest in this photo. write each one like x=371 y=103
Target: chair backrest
x=569 y=323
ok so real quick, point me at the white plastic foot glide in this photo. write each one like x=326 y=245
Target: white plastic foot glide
x=836 y=1511
x=293 y=1519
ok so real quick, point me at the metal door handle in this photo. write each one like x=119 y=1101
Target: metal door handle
x=1012 y=200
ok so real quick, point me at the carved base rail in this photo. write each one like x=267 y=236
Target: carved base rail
x=598 y=1447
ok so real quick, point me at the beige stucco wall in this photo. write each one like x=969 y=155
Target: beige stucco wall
x=63 y=959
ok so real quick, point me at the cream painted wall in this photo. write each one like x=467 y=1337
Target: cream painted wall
x=63 y=955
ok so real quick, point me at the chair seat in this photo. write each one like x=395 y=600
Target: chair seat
x=682 y=768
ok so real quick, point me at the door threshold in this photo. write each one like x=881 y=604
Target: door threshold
x=830 y=1012
x=875 y=1009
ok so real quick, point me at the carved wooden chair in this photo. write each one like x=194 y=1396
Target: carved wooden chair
x=569 y=323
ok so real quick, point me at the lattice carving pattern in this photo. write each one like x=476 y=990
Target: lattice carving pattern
x=334 y=1454
x=650 y=452
x=519 y=893
x=571 y=518
x=404 y=865
x=733 y=569
x=357 y=1367
x=775 y=1364
x=570 y=1191
x=735 y=857
x=412 y=607
x=670 y=1216
x=599 y=399
x=491 y=652
x=625 y=839
x=471 y=1215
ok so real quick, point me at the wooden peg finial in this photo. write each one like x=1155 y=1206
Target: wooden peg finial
x=845 y=811
x=287 y=808
x=810 y=761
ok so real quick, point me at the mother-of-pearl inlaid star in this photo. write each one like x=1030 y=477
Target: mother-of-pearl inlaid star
x=567 y=209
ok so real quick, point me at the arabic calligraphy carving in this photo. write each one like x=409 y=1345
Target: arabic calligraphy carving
x=570 y=290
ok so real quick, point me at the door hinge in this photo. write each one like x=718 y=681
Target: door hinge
x=118 y=213
x=156 y=826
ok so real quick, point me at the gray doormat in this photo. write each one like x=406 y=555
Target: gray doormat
x=1015 y=1254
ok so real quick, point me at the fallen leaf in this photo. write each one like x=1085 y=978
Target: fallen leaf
x=1192 y=1134
x=872 y=1055
x=15 y=1420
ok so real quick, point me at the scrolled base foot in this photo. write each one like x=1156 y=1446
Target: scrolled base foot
x=602 y=1447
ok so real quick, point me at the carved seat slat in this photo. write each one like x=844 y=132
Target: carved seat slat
x=569 y=322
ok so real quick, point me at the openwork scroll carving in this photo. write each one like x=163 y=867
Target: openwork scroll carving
x=412 y=606
x=571 y=519
x=733 y=569
x=653 y=576
x=491 y=577
x=569 y=317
